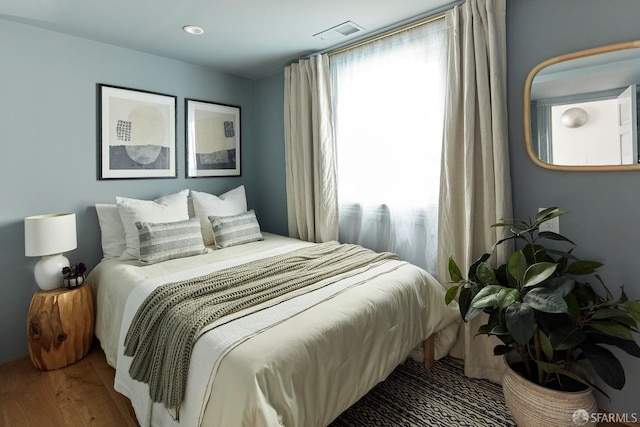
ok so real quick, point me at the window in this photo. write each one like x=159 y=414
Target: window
x=388 y=109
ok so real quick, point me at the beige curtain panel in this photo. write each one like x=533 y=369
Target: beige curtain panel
x=475 y=189
x=312 y=198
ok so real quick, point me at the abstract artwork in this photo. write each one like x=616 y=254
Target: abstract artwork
x=212 y=139
x=137 y=133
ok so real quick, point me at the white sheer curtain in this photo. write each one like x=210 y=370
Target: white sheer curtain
x=312 y=201
x=388 y=107
x=476 y=187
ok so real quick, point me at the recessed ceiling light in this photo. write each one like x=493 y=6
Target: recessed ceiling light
x=193 y=29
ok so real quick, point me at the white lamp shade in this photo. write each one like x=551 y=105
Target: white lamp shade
x=49 y=234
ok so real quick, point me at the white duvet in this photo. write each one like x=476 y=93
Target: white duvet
x=297 y=362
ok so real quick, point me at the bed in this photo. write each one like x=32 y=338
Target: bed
x=299 y=359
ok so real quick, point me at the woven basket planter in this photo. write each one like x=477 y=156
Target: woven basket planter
x=532 y=405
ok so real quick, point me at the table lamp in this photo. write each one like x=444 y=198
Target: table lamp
x=49 y=236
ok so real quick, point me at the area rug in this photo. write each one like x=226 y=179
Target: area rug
x=442 y=396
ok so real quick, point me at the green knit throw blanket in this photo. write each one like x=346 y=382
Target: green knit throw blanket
x=167 y=324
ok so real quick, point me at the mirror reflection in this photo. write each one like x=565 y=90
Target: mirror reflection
x=581 y=109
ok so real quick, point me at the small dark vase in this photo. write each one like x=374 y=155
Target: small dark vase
x=72 y=282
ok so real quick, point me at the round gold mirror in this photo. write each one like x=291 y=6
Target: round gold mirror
x=581 y=110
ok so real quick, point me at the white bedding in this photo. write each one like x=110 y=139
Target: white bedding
x=288 y=368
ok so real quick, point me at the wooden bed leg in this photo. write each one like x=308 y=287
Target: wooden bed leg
x=429 y=358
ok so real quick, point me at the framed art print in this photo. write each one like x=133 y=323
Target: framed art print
x=212 y=139
x=137 y=134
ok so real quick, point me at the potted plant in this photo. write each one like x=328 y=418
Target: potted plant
x=553 y=325
x=73 y=275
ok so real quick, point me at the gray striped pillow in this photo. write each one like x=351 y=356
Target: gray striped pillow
x=236 y=229
x=164 y=241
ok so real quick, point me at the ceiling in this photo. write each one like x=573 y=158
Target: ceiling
x=249 y=38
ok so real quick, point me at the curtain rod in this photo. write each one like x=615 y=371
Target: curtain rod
x=388 y=31
x=387 y=34
x=432 y=15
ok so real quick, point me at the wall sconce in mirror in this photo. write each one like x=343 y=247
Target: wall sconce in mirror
x=573 y=117
x=581 y=110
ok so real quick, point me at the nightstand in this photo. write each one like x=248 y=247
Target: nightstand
x=60 y=326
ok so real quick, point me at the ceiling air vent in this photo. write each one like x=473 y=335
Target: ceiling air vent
x=339 y=31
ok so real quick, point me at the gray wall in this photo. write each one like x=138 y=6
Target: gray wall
x=604 y=209
x=49 y=151
x=272 y=208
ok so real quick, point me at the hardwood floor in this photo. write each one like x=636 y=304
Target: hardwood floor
x=79 y=395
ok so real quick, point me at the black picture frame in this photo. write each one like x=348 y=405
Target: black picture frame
x=212 y=139
x=137 y=135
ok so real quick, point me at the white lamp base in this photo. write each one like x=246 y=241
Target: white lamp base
x=48 y=271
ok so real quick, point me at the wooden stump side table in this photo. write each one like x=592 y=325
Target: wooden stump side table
x=60 y=326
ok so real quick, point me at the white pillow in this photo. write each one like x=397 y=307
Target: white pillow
x=233 y=202
x=111 y=230
x=169 y=208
